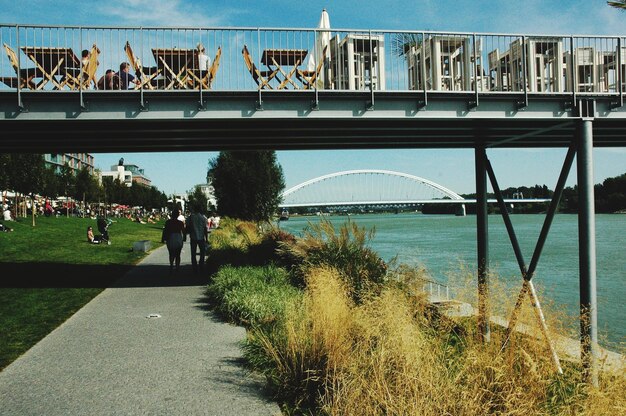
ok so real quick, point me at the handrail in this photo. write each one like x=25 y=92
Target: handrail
x=368 y=60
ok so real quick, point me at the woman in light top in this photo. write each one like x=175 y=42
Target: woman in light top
x=204 y=62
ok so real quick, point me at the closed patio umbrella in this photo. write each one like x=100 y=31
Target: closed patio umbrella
x=322 y=39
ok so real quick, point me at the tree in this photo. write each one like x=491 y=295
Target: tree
x=5 y=160
x=198 y=199
x=29 y=181
x=618 y=4
x=86 y=186
x=248 y=184
x=51 y=183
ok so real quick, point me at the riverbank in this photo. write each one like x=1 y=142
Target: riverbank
x=343 y=344
x=445 y=246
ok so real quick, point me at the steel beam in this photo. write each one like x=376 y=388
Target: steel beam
x=482 y=242
x=527 y=286
x=587 y=253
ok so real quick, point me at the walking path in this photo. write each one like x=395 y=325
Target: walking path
x=111 y=358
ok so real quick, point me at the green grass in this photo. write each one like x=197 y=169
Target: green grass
x=50 y=271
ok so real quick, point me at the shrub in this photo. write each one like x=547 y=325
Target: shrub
x=243 y=243
x=266 y=251
x=301 y=353
x=251 y=295
x=344 y=249
x=332 y=356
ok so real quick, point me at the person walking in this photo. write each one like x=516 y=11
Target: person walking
x=173 y=233
x=198 y=233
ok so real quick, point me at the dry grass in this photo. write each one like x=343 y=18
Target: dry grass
x=235 y=234
x=383 y=357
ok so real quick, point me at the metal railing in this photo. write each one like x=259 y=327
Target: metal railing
x=48 y=58
x=436 y=290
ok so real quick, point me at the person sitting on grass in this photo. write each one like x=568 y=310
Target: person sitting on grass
x=5 y=229
x=91 y=238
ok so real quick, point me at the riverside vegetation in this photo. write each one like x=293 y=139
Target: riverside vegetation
x=337 y=331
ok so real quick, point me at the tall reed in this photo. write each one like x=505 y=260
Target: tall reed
x=382 y=357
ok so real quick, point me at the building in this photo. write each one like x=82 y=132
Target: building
x=127 y=174
x=208 y=190
x=76 y=161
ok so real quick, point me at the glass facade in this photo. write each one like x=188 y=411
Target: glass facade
x=76 y=161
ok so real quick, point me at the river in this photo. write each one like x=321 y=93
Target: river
x=446 y=244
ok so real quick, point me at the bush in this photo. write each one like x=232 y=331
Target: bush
x=244 y=243
x=251 y=295
x=332 y=356
x=266 y=251
x=345 y=250
x=300 y=354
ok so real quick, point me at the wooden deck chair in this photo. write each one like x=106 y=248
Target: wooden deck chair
x=262 y=78
x=309 y=78
x=206 y=81
x=83 y=78
x=145 y=75
x=26 y=75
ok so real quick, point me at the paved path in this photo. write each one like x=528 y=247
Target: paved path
x=111 y=359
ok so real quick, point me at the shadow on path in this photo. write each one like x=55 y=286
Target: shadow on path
x=60 y=275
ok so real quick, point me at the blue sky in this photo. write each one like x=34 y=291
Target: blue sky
x=179 y=172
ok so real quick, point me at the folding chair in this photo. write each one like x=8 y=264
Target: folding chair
x=309 y=78
x=262 y=78
x=26 y=75
x=205 y=81
x=145 y=75
x=75 y=80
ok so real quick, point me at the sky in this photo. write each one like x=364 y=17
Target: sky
x=454 y=169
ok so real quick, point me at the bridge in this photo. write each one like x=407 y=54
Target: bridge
x=375 y=89
x=375 y=187
x=364 y=89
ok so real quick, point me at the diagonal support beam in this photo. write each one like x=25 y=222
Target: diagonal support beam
x=527 y=285
x=528 y=273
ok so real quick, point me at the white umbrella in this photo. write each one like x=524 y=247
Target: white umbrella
x=322 y=40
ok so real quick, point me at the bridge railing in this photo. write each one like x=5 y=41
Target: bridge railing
x=347 y=60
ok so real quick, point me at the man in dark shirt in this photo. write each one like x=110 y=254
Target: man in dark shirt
x=125 y=76
x=109 y=81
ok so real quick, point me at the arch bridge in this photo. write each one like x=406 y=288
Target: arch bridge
x=366 y=187
x=369 y=187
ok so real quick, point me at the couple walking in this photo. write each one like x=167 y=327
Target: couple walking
x=174 y=235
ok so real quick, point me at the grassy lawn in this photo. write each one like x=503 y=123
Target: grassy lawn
x=50 y=271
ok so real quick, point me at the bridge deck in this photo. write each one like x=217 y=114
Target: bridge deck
x=218 y=120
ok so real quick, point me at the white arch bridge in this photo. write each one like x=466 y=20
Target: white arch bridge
x=366 y=187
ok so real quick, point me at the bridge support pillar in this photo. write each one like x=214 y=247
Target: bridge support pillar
x=587 y=253
x=482 y=242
